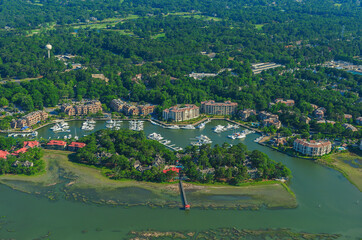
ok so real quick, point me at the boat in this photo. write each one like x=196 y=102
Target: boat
x=201 y=125
x=202 y=139
x=155 y=136
x=219 y=129
x=110 y=121
x=258 y=139
x=173 y=127
x=87 y=126
x=188 y=127
x=136 y=125
x=92 y=121
x=237 y=135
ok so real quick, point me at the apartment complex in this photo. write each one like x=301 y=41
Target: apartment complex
x=245 y=114
x=269 y=119
x=320 y=112
x=131 y=109
x=181 y=113
x=218 y=108
x=289 y=102
x=82 y=109
x=117 y=105
x=359 y=120
x=350 y=127
x=30 y=119
x=312 y=148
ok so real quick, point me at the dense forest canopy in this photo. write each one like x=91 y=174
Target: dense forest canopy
x=164 y=41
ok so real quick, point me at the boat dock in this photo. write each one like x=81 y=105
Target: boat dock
x=185 y=204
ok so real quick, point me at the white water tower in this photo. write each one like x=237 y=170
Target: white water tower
x=48 y=47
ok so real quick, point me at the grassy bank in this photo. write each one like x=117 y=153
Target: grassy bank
x=79 y=182
x=349 y=164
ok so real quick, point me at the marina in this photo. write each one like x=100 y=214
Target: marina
x=318 y=202
x=165 y=142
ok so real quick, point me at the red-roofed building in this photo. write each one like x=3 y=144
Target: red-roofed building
x=31 y=144
x=175 y=169
x=56 y=144
x=75 y=146
x=21 y=150
x=3 y=154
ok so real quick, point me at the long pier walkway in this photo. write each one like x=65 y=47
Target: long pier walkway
x=185 y=204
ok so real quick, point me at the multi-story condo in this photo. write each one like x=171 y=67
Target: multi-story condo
x=288 y=102
x=30 y=119
x=272 y=122
x=117 y=105
x=359 y=120
x=216 y=108
x=82 y=109
x=312 y=148
x=146 y=109
x=132 y=109
x=245 y=114
x=180 y=113
x=350 y=127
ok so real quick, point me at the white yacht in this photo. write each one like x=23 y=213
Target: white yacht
x=110 y=121
x=237 y=135
x=92 y=121
x=201 y=125
x=219 y=129
x=155 y=136
x=173 y=127
x=202 y=139
x=188 y=127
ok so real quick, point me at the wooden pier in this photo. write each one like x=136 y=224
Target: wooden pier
x=185 y=204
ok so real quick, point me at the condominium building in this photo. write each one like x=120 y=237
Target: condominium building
x=245 y=114
x=117 y=105
x=146 y=109
x=30 y=119
x=81 y=109
x=218 y=108
x=180 y=113
x=312 y=148
x=359 y=120
x=272 y=122
x=132 y=109
x=320 y=112
x=288 y=102
x=350 y=127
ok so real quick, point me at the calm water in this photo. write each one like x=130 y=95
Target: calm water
x=327 y=203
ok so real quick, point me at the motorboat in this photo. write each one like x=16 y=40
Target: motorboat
x=201 y=125
x=237 y=135
x=155 y=136
x=173 y=127
x=188 y=127
x=219 y=129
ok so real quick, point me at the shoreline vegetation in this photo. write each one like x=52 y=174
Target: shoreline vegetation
x=230 y=233
x=348 y=163
x=78 y=182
